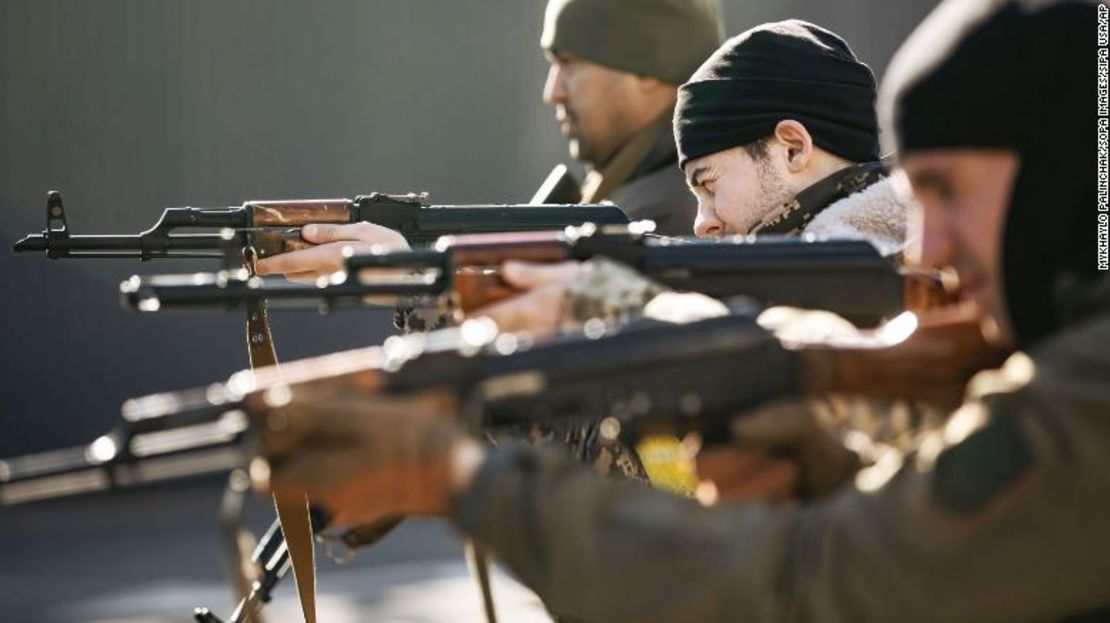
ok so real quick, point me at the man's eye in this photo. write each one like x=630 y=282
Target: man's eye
x=944 y=192
x=934 y=190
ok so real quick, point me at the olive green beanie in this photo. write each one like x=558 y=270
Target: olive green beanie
x=664 y=39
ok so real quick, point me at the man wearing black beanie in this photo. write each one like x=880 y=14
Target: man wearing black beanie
x=776 y=133
x=1001 y=516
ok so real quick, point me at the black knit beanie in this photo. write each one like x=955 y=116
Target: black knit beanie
x=778 y=71
x=665 y=39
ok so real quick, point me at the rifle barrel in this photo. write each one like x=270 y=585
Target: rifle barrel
x=139 y=246
x=163 y=292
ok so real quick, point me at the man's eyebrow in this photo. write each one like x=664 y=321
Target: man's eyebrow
x=694 y=180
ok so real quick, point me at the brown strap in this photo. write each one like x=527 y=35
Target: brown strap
x=292 y=512
x=291 y=506
x=478 y=562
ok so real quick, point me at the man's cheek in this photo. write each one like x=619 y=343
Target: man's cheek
x=981 y=249
x=733 y=208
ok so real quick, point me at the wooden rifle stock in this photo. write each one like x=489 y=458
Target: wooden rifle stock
x=932 y=364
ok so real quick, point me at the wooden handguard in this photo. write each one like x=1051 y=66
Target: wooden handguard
x=492 y=249
x=297 y=213
x=476 y=280
x=277 y=223
x=474 y=287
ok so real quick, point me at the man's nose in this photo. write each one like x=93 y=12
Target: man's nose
x=553 y=91
x=707 y=225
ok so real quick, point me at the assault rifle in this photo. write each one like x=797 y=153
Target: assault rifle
x=686 y=376
x=272 y=227
x=848 y=277
x=503 y=380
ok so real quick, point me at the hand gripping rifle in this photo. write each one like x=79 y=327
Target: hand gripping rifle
x=848 y=277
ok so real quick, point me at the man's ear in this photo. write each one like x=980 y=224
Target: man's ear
x=798 y=144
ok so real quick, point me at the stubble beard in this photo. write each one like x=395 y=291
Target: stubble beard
x=582 y=151
x=597 y=150
x=773 y=190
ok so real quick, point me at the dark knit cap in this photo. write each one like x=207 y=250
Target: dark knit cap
x=664 y=39
x=1016 y=75
x=778 y=71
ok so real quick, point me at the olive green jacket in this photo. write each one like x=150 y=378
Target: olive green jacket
x=1002 y=516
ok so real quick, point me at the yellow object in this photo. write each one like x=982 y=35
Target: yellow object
x=669 y=464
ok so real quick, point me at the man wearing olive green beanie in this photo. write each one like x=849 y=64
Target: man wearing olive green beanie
x=615 y=69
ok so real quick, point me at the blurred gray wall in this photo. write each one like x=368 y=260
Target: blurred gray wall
x=132 y=105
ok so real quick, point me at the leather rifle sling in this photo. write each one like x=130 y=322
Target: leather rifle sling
x=478 y=562
x=291 y=506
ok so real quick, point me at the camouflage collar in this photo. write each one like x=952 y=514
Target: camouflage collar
x=793 y=216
